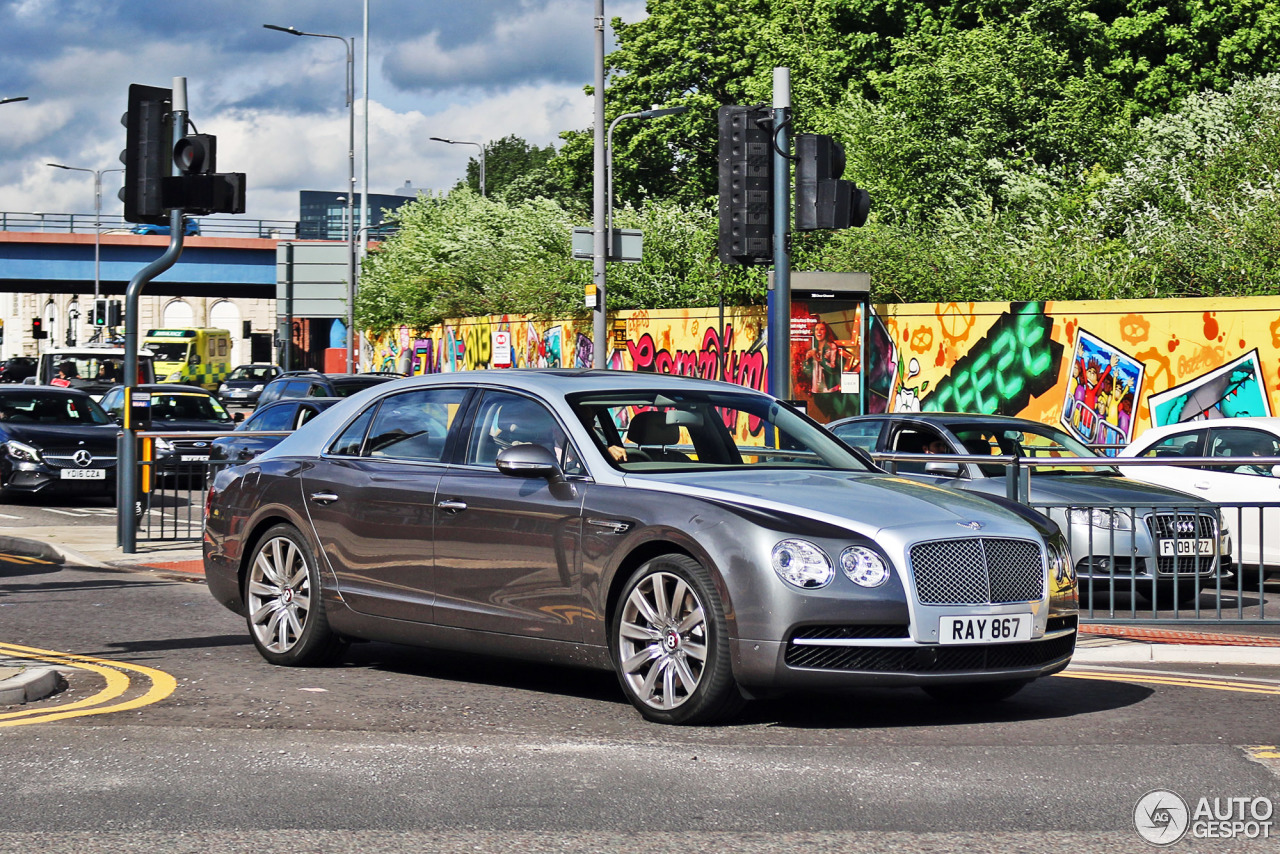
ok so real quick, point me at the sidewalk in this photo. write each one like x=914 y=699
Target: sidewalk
x=94 y=546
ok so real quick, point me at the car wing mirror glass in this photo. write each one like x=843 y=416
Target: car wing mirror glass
x=238 y=417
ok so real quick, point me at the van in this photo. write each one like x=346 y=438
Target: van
x=93 y=369
x=192 y=356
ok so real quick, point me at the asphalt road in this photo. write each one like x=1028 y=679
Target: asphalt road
x=203 y=746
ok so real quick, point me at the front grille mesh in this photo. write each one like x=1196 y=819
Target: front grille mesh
x=933 y=659
x=977 y=571
x=1182 y=525
x=67 y=461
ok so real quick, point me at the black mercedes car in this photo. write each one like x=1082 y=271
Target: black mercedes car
x=55 y=440
x=704 y=541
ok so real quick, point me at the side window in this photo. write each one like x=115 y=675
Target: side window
x=1242 y=442
x=415 y=424
x=305 y=414
x=504 y=420
x=351 y=440
x=317 y=390
x=274 y=418
x=860 y=434
x=1179 y=445
x=918 y=440
x=113 y=402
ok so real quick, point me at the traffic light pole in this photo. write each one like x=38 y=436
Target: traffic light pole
x=779 y=306
x=127 y=501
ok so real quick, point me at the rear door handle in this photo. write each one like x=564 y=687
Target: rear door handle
x=450 y=506
x=1201 y=485
x=323 y=497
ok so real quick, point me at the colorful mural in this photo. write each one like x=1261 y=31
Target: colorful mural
x=1104 y=370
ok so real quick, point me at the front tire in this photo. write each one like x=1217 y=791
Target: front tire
x=671 y=644
x=285 y=603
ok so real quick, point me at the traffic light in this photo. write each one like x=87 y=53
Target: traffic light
x=745 y=154
x=99 y=313
x=822 y=199
x=200 y=189
x=147 y=153
x=113 y=313
x=37 y=329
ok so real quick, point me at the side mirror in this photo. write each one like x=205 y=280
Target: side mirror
x=30 y=381
x=238 y=417
x=530 y=461
x=1275 y=471
x=195 y=360
x=942 y=469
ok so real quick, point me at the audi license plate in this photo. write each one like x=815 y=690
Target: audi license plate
x=1186 y=548
x=194 y=458
x=995 y=628
x=84 y=474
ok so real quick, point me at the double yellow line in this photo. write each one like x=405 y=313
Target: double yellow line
x=1180 y=681
x=116 y=674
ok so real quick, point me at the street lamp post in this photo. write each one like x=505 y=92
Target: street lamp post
x=643 y=115
x=464 y=142
x=97 y=219
x=349 y=44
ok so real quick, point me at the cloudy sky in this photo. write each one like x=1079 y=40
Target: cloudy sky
x=476 y=70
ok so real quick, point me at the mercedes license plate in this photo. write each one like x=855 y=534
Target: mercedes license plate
x=1186 y=548
x=992 y=628
x=84 y=474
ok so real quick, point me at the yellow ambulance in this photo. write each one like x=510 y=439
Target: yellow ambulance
x=193 y=356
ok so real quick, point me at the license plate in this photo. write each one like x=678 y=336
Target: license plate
x=194 y=458
x=1001 y=628
x=1185 y=548
x=84 y=474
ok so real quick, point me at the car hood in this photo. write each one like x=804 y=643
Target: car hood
x=866 y=503
x=183 y=425
x=99 y=438
x=1090 y=489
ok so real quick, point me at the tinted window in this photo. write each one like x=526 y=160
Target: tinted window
x=1243 y=442
x=1180 y=445
x=272 y=418
x=414 y=425
x=186 y=407
x=860 y=434
x=504 y=420
x=51 y=409
x=349 y=443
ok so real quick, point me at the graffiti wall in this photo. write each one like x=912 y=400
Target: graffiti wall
x=1106 y=371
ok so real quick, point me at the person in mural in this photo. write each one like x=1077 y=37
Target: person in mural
x=824 y=360
x=1088 y=389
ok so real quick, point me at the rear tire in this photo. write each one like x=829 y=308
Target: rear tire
x=670 y=644
x=285 y=602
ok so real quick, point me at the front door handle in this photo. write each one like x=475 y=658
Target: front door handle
x=450 y=506
x=324 y=497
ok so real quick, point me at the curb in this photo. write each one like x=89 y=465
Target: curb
x=1139 y=652
x=32 y=548
x=30 y=685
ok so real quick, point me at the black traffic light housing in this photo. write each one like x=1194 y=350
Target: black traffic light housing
x=37 y=329
x=823 y=200
x=99 y=313
x=147 y=152
x=199 y=189
x=196 y=154
x=745 y=154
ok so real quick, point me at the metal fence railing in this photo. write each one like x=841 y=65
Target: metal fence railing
x=210 y=226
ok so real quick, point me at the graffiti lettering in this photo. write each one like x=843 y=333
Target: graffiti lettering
x=1000 y=373
x=1207 y=357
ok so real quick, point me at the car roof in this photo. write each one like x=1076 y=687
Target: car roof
x=23 y=388
x=944 y=418
x=176 y=388
x=1270 y=424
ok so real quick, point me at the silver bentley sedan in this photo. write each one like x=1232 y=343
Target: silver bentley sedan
x=704 y=541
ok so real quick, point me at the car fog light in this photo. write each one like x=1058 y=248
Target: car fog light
x=864 y=566
x=802 y=564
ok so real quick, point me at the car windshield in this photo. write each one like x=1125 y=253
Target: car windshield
x=652 y=431
x=1030 y=439
x=186 y=407
x=169 y=351
x=37 y=408
x=252 y=372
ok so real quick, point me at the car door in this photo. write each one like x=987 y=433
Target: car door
x=371 y=500
x=1250 y=495
x=507 y=548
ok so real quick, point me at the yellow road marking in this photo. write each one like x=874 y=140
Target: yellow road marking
x=162 y=685
x=23 y=558
x=1184 y=682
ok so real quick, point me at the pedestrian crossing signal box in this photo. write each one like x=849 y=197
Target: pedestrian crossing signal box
x=137 y=409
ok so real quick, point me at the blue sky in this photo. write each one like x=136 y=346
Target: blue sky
x=476 y=70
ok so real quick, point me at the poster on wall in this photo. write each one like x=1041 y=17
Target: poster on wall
x=1101 y=391
x=1234 y=390
x=825 y=360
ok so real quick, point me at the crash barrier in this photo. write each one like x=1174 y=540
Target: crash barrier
x=174 y=473
x=1150 y=563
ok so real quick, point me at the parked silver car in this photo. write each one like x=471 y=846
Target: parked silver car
x=704 y=541
x=1125 y=536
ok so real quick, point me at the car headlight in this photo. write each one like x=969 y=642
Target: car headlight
x=802 y=564
x=222 y=389
x=258 y=387
x=1100 y=517
x=175 y=376
x=1061 y=572
x=163 y=446
x=864 y=566
x=22 y=452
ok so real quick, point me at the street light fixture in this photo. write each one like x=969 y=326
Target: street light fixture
x=11 y=100
x=464 y=142
x=97 y=219
x=643 y=115
x=349 y=44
